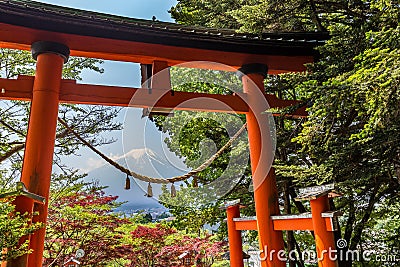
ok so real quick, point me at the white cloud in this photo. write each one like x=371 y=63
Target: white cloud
x=92 y=164
x=138 y=154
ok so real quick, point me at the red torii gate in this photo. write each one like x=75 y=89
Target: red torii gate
x=53 y=33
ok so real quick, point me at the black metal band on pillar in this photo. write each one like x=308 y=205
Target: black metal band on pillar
x=41 y=47
x=253 y=68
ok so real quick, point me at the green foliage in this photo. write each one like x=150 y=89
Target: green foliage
x=275 y=15
x=224 y=263
x=12 y=227
x=204 y=81
x=19 y=62
x=189 y=218
x=352 y=132
x=205 y=13
x=257 y=16
x=377 y=76
x=195 y=137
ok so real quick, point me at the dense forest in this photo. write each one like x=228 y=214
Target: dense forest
x=351 y=138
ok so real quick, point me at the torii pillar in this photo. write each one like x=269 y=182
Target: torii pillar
x=40 y=140
x=261 y=157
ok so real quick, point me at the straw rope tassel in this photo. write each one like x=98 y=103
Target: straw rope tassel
x=149 y=191
x=173 y=190
x=195 y=183
x=127 y=183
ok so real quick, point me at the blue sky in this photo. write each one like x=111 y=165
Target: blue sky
x=143 y=9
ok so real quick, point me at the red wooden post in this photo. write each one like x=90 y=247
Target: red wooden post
x=324 y=240
x=234 y=236
x=265 y=191
x=161 y=78
x=39 y=149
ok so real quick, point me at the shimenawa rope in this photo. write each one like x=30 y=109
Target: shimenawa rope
x=152 y=179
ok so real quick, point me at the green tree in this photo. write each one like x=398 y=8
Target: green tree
x=351 y=134
x=12 y=227
x=195 y=137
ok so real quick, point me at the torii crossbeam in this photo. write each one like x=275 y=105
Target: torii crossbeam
x=53 y=33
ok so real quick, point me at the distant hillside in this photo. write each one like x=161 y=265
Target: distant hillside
x=144 y=161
